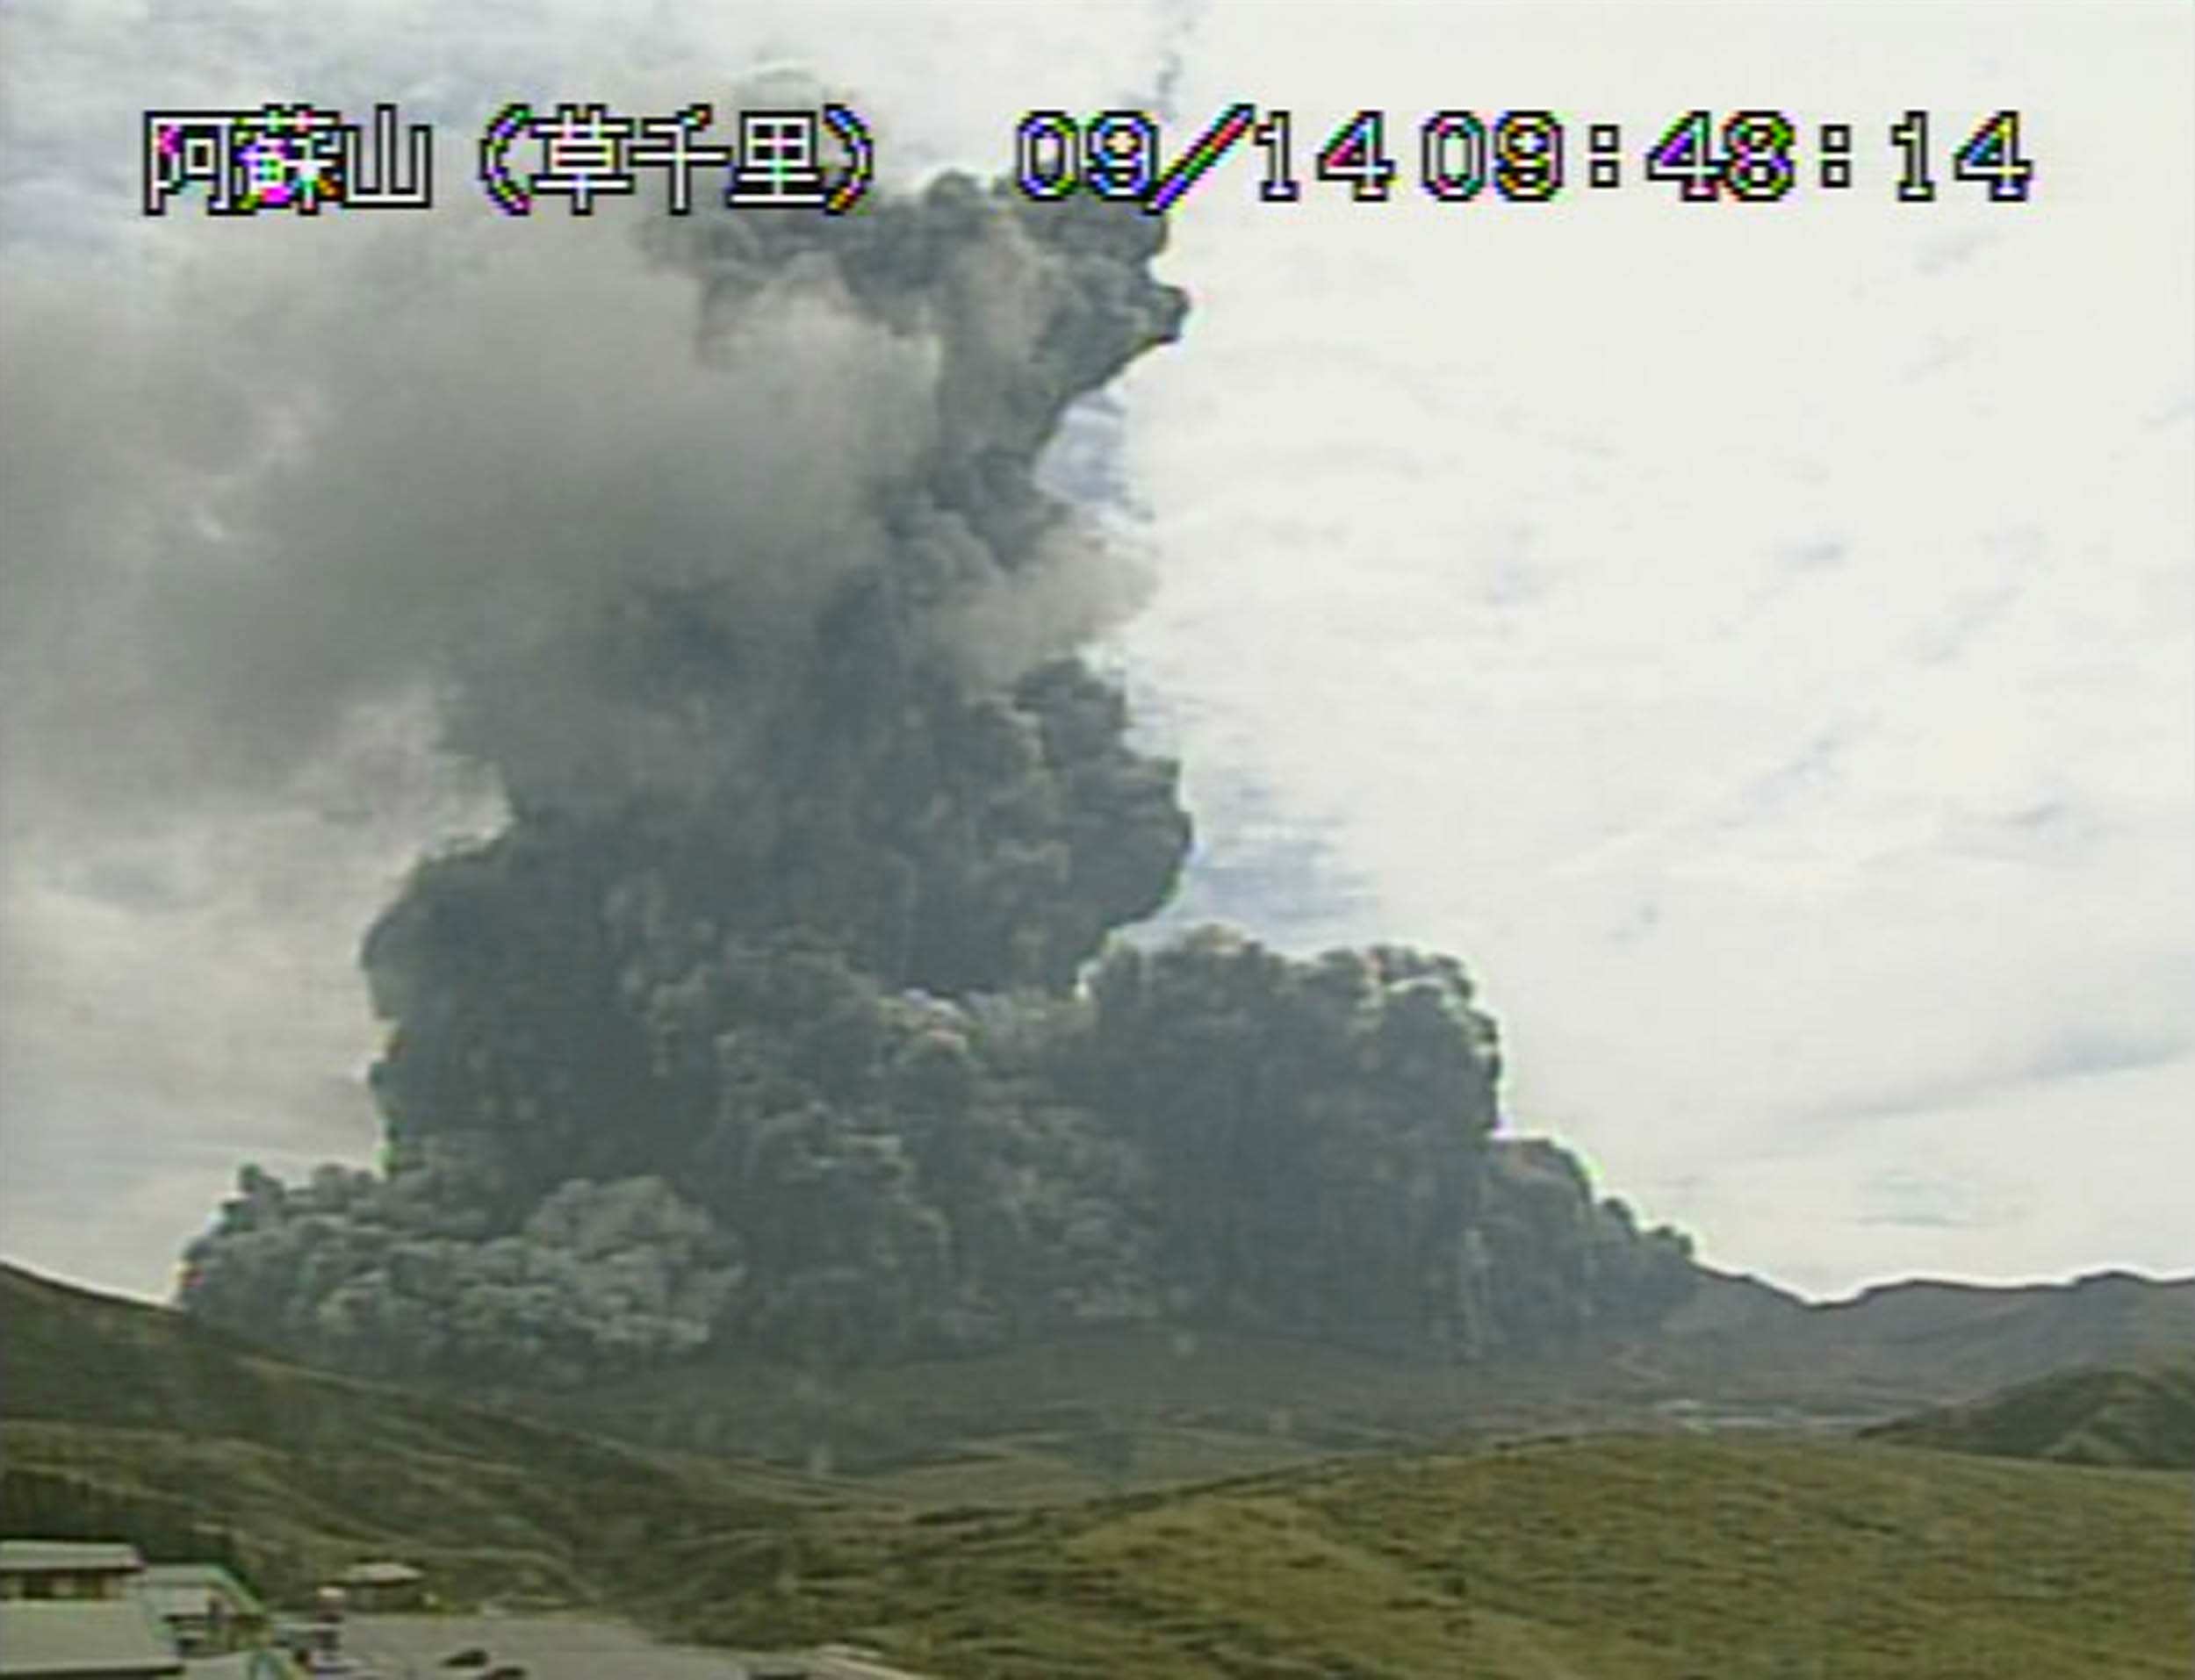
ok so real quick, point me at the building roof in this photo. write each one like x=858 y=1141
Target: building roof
x=46 y=1640
x=183 y=1600
x=181 y=1588
x=190 y=1575
x=43 y=1556
x=380 y=1575
x=240 y=1665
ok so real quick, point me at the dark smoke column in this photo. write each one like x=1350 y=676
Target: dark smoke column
x=883 y=783
x=758 y=1026
x=756 y=798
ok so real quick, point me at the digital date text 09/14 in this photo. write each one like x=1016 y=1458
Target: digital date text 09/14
x=1753 y=156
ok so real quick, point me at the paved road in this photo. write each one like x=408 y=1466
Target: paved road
x=562 y=1647
x=839 y=1662
x=551 y=1647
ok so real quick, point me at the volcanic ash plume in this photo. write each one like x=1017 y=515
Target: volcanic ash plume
x=759 y=1023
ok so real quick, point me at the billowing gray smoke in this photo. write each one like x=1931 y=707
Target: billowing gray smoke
x=759 y=1025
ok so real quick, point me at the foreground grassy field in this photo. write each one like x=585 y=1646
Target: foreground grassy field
x=1658 y=1557
x=1602 y=1555
x=1617 y=1558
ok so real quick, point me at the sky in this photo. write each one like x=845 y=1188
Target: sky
x=1757 y=639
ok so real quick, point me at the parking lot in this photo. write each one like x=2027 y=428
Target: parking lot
x=547 y=1647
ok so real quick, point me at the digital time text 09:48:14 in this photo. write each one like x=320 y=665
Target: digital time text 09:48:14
x=1758 y=156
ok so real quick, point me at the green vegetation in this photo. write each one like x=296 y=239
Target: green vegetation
x=114 y=1408
x=1119 y=1407
x=2142 y=1417
x=1076 y=1412
x=1621 y=1557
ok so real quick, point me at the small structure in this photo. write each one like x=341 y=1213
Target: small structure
x=116 y=1639
x=383 y=1585
x=206 y=1610
x=80 y=1569
x=316 y=1643
x=308 y=1642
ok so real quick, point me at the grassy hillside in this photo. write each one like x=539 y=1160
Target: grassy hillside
x=111 y=1404
x=1119 y=1407
x=2137 y=1418
x=1124 y=1408
x=1127 y=1406
x=1621 y=1557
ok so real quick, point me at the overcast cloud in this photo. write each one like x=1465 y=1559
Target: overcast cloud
x=1759 y=639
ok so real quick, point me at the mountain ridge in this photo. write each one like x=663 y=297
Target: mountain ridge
x=1524 y=1555
x=2134 y=1417
x=1077 y=1414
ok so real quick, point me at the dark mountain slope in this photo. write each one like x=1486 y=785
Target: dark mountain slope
x=1649 y=1557
x=2134 y=1418
x=115 y=1409
x=1901 y=1345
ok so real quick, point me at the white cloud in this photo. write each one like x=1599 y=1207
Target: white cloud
x=179 y=937
x=1757 y=639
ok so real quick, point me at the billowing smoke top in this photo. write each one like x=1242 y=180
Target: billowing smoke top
x=925 y=557
x=882 y=737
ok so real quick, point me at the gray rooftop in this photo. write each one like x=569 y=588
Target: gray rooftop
x=240 y=1665
x=47 y=1640
x=40 y=1556
x=171 y=1584
x=188 y=1575
x=383 y=1574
